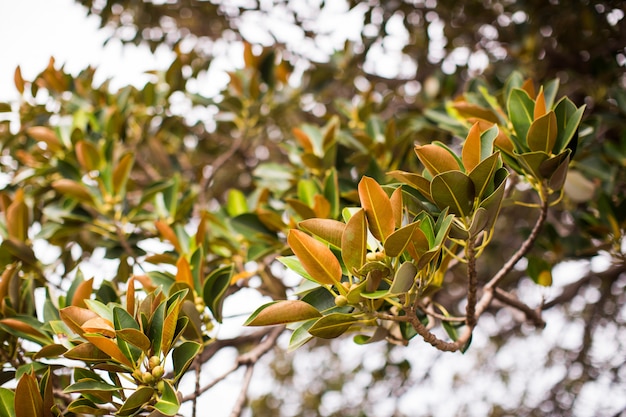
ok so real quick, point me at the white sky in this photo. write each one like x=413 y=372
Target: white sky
x=33 y=30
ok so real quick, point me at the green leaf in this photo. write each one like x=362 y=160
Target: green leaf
x=134 y=338
x=85 y=406
x=354 y=242
x=521 y=109
x=482 y=175
x=331 y=192
x=568 y=118
x=379 y=334
x=404 y=278
x=136 y=401
x=540 y=271
x=332 y=325
x=90 y=385
x=214 y=289
x=7 y=407
x=168 y=403
x=455 y=190
x=531 y=163
x=281 y=312
x=377 y=208
x=328 y=230
x=301 y=334
x=315 y=257
x=542 y=133
x=398 y=241
x=182 y=357
x=236 y=203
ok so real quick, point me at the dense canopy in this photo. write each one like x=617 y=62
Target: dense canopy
x=378 y=183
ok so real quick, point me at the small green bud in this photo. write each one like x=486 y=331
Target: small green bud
x=341 y=300
x=154 y=361
x=158 y=371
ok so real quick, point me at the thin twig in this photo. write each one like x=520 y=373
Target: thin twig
x=243 y=395
x=512 y=301
x=472 y=284
x=249 y=359
x=524 y=248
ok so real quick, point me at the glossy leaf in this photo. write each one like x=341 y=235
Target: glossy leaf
x=482 y=175
x=455 y=190
x=82 y=292
x=73 y=189
x=471 y=152
x=85 y=406
x=17 y=217
x=136 y=401
x=122 y=172
x=398 y=241
x=87 y=352
x=354 y=241
x=214 y=289
x=418 y=182
x=75 y=317
x=182 y=357
x=87 y=155
x=403 y=279
x=332 y=325
x=281 y=312
x=27 y=397
x=7 y=407
x=90 y=385
x=168 y=403
x=397 y=207
x=168 y=233
x=436 y=159
x=542 y=133
x=109 y=347
x=568 y=119
x=328 y=230
x=315 y=257
x=377 y=208
x=521 y=110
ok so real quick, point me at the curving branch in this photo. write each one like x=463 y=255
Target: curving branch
x=265 y=343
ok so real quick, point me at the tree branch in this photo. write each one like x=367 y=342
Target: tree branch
x=248 y=359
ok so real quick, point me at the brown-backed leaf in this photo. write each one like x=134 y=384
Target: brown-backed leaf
x=315 y=257
x=109 y=347
x=436 y=159
x=397 y=206
x=28 y=400
x=17 y=217
x=168 y=233
x=122 y=171
x=183 y=273
x=18 y=80
x=75 y=317
x=416 y=181
x=45 y=134
x=87 y=155
x=87 y=352
x=82 y=293
x=281 y=312
x=377 y=208
x=99 y=325
x=354 y=241
x=328 y=230
x=73 y=189
x=303 y=139
x=540 y=105
x=472 y=148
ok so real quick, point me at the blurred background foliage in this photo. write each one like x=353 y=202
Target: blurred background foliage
x=224 y=176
